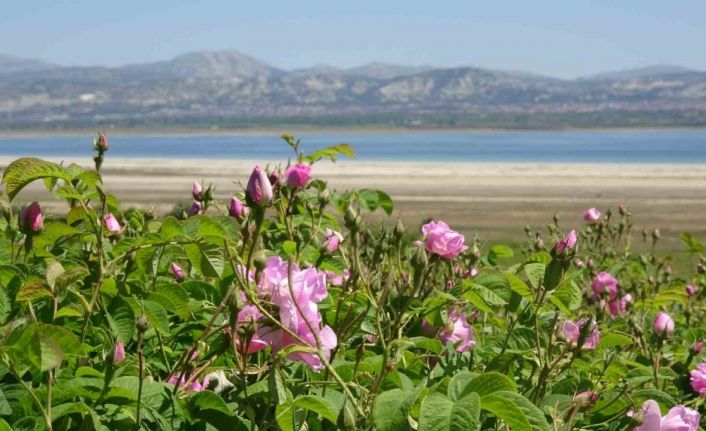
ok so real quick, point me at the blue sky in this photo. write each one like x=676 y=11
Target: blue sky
x=564 y=38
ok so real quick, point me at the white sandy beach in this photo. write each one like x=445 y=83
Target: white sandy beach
x=495 y=200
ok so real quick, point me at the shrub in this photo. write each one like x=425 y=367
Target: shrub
x=286 y=307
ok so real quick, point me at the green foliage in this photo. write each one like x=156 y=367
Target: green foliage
x=423 y=342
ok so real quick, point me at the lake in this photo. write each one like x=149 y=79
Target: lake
x=601 y=146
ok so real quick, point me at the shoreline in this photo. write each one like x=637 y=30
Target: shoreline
x=294 y=130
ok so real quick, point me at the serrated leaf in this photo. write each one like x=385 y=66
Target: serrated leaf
x=486 y=384
x=209 y=400
x=53 y=271
x=32 y=290
x=391 y=409
x=28 y=169
x=121 y=319
x=319 y=405
x=439 y=413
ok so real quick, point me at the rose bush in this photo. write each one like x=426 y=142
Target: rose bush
x=285 y=306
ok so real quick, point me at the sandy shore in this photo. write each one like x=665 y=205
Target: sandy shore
x=495 y=200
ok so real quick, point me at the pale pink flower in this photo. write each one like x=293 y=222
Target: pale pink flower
x=456 y=332
x=119 y=353
x=591 y=215
x=237 y=209
x=333 y=239
x=664 y=324
x=111 y=223
x=678 y=418
x=177 y=271
x=259 y=187
x=618 y=306
x=698 y=378
x=337 y=279
x=568 y=243
x=249 y=320
x=197 y=191
x=442 y=241
x=603 y=282
x=572 y=333
x=298 y=175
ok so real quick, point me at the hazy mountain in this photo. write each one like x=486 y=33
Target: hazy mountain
x=207 y=64
x=227 y=87
x=380 y=70
x=640 y=72
x=10 y=64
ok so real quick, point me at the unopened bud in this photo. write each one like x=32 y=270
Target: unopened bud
x=260 y=261
x=350 y=217
x=419 y=258
x=622 y=209
x=655 y=234
x=400 y=229
x=142 y=323
x=324 y=197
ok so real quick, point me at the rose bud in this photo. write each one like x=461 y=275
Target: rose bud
x=195 y=209
x=697 y=347
x=691 y=289
x=177 y=272
x=333 y=239
x=111 y=223
x=31 y=219
x=259 y=188
x=591 y=215
x=298 y=175
x=587 y=398
x=237 y=209
x=119 y=353
x=197 y=191
x=566 y=244
x=664 y=324
x=274 y=180
x=101 y=143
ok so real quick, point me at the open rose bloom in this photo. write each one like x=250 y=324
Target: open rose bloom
x=441 y=240
x=698 y=378
x=298 y=312
x=572 y=333
x=678 y=418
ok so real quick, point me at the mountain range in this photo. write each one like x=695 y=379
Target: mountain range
x=233 y=89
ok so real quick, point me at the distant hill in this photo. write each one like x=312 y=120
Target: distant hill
x=229 y=88
x=640 y=72
x=10 y=64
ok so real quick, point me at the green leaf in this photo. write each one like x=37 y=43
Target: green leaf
x=486 y=384
x=331 y=153
x=32 y=290
x=67 y=341
x=173 y=298
x=610 y=340
x=289 y=248
x=170 y=228
x=457 y=385
x=5 y=307
x=385 y=202
x=209 y=400
x=534 y=273
x=5 y=408
x=369 y=199
x=53 y=271
x=391 y=409
x=439 y=413
x=515 y=410
x=206 y=258
x=520 y=287
x=69 y=277
x=121 y=319
x=319 y=405
x=28 y=169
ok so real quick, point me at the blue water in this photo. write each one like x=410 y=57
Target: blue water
x=633 y=146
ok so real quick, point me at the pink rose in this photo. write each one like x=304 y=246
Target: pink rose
x=197 y=191
x=604 y=282
x=679 y=418
x=111 y=223
x=237 y=209
x=177 y=272
x=259 y=187
x=568 y=243
x=337 y=279
x=691 y=289
x=698 y=378
x=457 y=331
x=664 y=324
x=572 y=333
x=442 y=241
x=195 y=209
x=333 y=239
x=298 y=175
x=248 y=321
x=119 y=353
x=591 y=215
x=31 y=218
x=618 y=306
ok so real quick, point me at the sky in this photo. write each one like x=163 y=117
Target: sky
x=562 y=38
